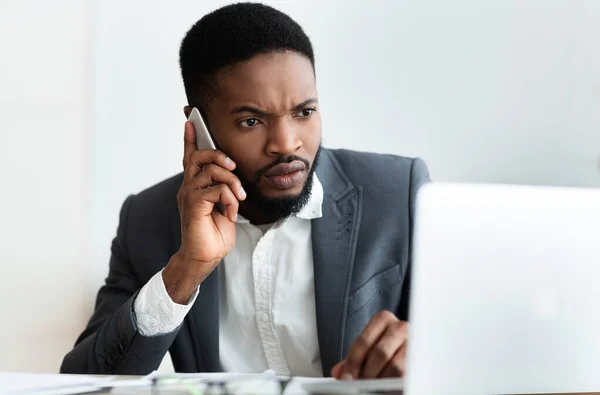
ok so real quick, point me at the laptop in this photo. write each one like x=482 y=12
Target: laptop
x=505 y=293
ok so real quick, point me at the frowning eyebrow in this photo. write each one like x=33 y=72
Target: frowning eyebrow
x=312 y=100
x=259 y=112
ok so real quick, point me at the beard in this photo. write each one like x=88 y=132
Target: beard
x=276 y=208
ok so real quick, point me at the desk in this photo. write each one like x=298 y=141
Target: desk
x=390 y=393
x=37 y=381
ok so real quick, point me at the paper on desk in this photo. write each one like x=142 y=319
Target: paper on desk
x=219 y=376
x=296 y=385
x=48 y=384
x=306 y=386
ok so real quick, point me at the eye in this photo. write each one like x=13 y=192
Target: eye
x=249 y=123
x=305 y=113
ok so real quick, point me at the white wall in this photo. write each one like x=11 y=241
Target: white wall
x=496 y=91
x=43 y=171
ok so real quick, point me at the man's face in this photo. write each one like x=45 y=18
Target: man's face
x=265 y=117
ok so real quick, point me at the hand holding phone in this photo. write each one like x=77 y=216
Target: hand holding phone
x=207 y=232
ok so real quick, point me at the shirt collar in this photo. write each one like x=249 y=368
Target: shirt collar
x=312 y=209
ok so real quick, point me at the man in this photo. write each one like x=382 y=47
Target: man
x=269 y=252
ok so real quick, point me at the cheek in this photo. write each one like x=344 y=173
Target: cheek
x=247 y=153
x=312 y=135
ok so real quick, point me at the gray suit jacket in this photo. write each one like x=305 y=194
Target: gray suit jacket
x=361 y=252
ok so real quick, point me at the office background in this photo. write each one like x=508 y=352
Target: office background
x=91 y=104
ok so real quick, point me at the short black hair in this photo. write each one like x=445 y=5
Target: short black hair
x=233 y=34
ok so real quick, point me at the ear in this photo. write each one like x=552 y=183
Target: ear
x=187 y=110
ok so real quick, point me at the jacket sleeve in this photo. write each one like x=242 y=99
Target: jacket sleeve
x=111 y=343
x=419 y=176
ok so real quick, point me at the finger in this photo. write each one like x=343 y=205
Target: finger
x=228 y=199
x=396 y=367
x=200 y=158
x=213 y=174
x=367 y=339
x=216 y=194
x=336 y=371
x=223 y=218
x=189 y=142
x=230 y=211
x=385 y=349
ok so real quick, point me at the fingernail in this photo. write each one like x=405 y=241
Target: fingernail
x=235 y=218
x=347 y=376
x=228 y=162
x=242 y=193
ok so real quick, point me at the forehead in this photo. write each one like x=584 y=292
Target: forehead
x=269 y=81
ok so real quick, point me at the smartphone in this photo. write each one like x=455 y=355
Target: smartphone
x=203 y=139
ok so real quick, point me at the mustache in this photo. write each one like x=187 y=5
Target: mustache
x=280 y=160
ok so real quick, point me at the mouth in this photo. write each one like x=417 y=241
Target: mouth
x=286 y=175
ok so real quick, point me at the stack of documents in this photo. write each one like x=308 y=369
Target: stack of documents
x=48 y=384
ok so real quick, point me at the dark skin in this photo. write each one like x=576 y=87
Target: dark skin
x=264 y=109
x=379 y=351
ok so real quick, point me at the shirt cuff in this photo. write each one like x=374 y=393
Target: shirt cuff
x=155 y=312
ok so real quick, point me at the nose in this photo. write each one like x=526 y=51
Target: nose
x=283 y=138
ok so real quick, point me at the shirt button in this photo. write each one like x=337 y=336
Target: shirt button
x=152 y=322
x=264 y=316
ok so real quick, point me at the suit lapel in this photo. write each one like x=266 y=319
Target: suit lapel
x=334 y=239
x=203 y=319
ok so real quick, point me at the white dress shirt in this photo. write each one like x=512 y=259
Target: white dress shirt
x=267 y=317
